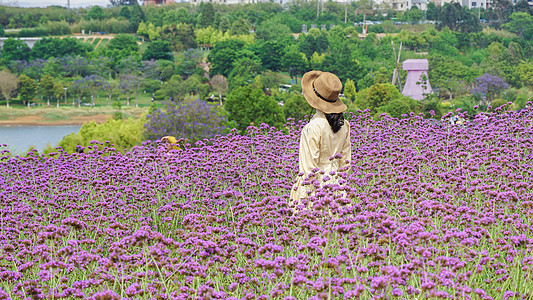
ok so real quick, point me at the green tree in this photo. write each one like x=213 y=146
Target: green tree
x=46 y=87
x=137 y=15
x=207 y=14
x=14 y=50
x=243 y=71
x=27 y=89
x=181 y=36
x=414 y=14
x=349 y=90
x=125 y=12
x=296 y=107
x=295 y=62
x=521 y=23
x=431 y=12
x=158 y=50
x=397 y=108
x=223 y=55
x=119 y=48
x=248 y=105
x=96 y=12
x=272 y=30
x=240 y=26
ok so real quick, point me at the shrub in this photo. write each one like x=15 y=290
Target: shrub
x=191 y=119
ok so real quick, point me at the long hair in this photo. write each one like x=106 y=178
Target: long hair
x=336 y=121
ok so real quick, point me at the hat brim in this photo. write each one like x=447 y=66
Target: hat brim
x=313 y=100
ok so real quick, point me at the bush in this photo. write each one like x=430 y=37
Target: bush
x=124 y=134
x=191 y=119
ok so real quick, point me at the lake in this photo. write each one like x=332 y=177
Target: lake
x=20 y=138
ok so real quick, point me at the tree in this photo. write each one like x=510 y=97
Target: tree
x=223 y=55
x=397 y=108
x=181 y=36
x=270 y=53
x=46 y=86
x=137 y=15
x=296 y=107
x=120 y=47
x=27 y=88
x=248 y=105
x=220 y=85
x=8 y=84
x=125 y=12
x=272 y=30
x=158 y=50
x=96 y=12
x=243 y=71
x=431 y=12
x=192 y=119
x=414 y=14
x=14 y=50
x=521 y=23
x=349 y=90
x=207 y=14
x=240 y=26
x=489 y=86
x=59 y=47
x=127 y=85
x=294 y=61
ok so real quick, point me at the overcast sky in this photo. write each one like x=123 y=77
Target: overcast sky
x=44 y=3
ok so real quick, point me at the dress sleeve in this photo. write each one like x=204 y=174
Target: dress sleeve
x=346 y=150
x=309 y=149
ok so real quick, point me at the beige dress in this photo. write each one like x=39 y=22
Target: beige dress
x=318 y=144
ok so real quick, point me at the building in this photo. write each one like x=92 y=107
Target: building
x=417 y=82
x=158 y=2
x=474 y=4
x=421 y=4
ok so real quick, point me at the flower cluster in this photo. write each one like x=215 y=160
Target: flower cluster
x=425 y=211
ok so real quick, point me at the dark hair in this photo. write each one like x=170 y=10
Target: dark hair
x=336 y=121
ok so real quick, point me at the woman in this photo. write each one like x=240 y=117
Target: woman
x=324 y=137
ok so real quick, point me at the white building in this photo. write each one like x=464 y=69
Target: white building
x=474 y=3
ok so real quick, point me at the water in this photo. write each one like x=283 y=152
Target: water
x=20 y=138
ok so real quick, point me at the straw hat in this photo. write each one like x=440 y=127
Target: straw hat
x=321 y=90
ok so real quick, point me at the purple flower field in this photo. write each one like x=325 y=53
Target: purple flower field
x=427 y=211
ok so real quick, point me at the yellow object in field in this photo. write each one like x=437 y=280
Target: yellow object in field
x=172 y=142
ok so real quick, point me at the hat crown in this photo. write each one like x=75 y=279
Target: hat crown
x=328 y=86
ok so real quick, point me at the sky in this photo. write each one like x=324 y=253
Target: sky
x=45 y=3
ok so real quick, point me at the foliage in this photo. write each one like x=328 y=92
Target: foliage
x=349 y=90
x=96 y=12
x=181 y=36
x=296 y=107
x=120 y=134
x=13 y=50
x=120 y=47
x=489 y=85
x=294 y=61
x=8 y=84
x=223 y=55
x=248 y=105
x=57 y=47
x=158 y=50
x=521 y=23
x=27 y=88
x=193 y=120
x=46 y=86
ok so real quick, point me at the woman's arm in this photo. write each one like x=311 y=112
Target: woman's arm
x=309 y=149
